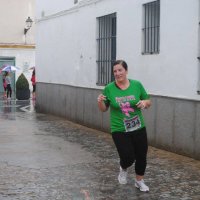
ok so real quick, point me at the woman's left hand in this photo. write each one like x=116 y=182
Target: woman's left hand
x=142 y=104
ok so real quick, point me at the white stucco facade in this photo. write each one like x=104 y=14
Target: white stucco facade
x=13 y=15
x=70 y=44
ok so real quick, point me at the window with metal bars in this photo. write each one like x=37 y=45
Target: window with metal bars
x=151 y=27
x=106 y=48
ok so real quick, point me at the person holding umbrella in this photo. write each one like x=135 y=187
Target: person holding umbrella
x=8 y=83
x=4 y=85
x=7 y=69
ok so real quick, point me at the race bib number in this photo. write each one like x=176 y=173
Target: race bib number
x=132 y=124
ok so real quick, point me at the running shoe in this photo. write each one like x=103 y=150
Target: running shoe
x=141 y=186
x=122 y=178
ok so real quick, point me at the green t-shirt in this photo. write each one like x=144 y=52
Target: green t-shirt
x=124 y=114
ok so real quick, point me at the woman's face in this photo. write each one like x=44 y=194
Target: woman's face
x=120 y=73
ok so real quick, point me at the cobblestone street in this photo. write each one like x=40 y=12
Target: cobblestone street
x=43 y=157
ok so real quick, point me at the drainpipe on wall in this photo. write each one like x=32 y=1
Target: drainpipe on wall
x=198 y=86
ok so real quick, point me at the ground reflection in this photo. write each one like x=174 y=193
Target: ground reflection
x=9 y=108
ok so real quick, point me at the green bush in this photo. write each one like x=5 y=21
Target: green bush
x=22 y=82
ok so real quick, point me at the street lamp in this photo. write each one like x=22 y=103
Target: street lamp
x=29 y=22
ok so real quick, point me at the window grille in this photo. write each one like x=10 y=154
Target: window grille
x=151 y=28
x=106 y=48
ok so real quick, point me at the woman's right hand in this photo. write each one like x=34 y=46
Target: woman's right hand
x=101 y=103
x=101 y=98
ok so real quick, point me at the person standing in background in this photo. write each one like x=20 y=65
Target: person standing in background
x=8 y=83
x=33 y=84
x=4 y=85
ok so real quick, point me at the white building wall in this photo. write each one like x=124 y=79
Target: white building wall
x=13 y=15
x=174 y=71
x=68 y=52
x=46 y=8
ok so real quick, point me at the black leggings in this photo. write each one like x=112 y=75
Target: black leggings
x=9 y=91
x=34 y=88
x=132 y=147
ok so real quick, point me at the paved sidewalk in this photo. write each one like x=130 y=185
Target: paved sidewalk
x=43 y=157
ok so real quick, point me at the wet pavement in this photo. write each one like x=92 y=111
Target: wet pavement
x=43 y=157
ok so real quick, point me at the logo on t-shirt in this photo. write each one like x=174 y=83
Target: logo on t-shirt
x=124 y=99
x=124 y=103
x=126 y=108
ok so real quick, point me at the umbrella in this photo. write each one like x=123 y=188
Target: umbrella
x=10 y=68
x=32 y=68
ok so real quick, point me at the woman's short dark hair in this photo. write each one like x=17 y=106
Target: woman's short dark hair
x=122 y=63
